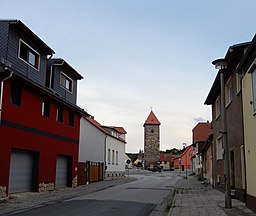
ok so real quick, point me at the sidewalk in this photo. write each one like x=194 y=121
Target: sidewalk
x=191 y=198
x=23 y=201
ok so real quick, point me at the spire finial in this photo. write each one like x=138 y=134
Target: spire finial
x=151 y=108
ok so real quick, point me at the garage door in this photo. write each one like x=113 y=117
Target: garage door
x=61 y=172
x=21 y=172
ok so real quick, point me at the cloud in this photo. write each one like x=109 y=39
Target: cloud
x=199 y=119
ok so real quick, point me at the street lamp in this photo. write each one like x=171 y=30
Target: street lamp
x=221 y=64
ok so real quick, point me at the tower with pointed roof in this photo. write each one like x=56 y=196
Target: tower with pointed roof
x=151 y=141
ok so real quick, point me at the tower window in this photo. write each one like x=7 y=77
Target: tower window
x=152 y=131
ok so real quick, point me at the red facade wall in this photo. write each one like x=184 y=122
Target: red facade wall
x=28 y=115
x=184 y=159
x=201 y=132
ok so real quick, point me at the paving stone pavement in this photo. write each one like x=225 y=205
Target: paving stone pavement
x=191 y=198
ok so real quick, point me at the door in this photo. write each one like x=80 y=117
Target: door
x=21 y=172
x=62 y=171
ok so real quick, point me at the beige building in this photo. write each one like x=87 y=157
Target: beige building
x=247 y=70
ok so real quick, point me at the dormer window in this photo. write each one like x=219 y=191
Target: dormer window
x=29 y=55
x=66 y=82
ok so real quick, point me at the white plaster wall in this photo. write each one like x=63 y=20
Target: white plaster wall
x=116 y=145
x=91 y=144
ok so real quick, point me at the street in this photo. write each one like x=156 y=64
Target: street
x=140 y=197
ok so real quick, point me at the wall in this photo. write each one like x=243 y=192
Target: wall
x=92 y=142
x=250 y=139
x=115 y=170
x=151 y=145
x=25 y=128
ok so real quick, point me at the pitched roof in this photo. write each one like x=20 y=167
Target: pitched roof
x=101 y=127
x=166 y=157
x=152 y=120
x=121 y=130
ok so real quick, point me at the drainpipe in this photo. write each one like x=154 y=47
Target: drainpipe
x=1 y=95
x=50 y=81
x=105 y=162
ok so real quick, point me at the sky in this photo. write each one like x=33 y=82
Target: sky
x=138 y=54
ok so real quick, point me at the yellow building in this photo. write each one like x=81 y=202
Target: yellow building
x=247 y=69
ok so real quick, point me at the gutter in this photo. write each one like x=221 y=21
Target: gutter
x=1 y=95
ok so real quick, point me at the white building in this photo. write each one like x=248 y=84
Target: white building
x=103 y=144
x=115 y=152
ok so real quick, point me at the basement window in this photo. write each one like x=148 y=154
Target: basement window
x=28 y=54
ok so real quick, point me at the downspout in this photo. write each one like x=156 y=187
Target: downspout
x=50 y=81
x=105 y=162
x=1 y=95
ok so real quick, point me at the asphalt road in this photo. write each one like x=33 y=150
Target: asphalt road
x=137 y=198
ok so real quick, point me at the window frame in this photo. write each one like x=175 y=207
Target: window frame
x=238 y=83
x=16 y=97
x=59 y=118
x=113 y=157
x=228 y=92
x=116 y=157
x=219 y=151
x=109 y=156
x=217 y=107
x=67 y=78
x=71 y=119
x=44 y=108
x=30 y=50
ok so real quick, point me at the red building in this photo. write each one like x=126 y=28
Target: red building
x=39 y=119
x=184 y=160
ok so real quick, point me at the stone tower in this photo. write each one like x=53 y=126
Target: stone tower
x=151 y=141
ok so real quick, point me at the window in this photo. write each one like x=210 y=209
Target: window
x=29 y=55
x=113 y=156
x=108 y=156
x=59 y=116
x=116 y=157
x=217 y=107
x=66 y=82
x=228 y=92
x=16 y=95
x=254 y=90
x=238 y=83
x=71 y=119
x=219 y=148
x=46 y=108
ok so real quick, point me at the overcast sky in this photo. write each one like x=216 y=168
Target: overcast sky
x=137 y=54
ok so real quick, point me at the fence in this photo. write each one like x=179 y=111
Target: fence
x=90 y=172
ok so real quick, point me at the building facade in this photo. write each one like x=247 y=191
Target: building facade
x=234 y=115
x=247 y=71
x=151 y=141
x=200 y=133
x=39 y=123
